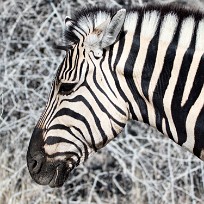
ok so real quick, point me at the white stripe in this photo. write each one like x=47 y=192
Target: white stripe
x=49 y=108
x=80 y=108
x=149 y=26
x=105 y=120
x=191 y=121
x=131 y=22
x=133 y=19
x=115 y=51
x=199 y=50
x=183 y=44
x=167 y=32
x=72 y=78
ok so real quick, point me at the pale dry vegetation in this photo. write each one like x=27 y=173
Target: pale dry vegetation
x=140 y=166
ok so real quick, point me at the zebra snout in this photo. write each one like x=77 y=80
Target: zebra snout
x=40 y=169
x=35 y=154
x=43 y=169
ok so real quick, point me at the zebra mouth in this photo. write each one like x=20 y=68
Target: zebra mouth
x=60 y=176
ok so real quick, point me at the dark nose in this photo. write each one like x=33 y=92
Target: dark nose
x=42 y=170
x=35 y=154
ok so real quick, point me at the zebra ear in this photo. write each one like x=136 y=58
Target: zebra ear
x=105 y=34
x=93 y=40
x=100 y=30
x=68 y=21
x=113 y=29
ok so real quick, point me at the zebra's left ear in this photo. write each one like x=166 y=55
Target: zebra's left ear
x=105 y=34
x=113 y=29
x=93 y=40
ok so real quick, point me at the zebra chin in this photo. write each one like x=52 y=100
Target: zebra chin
x=42 y=171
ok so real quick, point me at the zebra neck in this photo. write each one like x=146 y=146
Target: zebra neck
x=161 y=74
x=146 y=56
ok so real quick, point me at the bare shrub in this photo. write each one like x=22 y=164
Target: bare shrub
x=140 y=166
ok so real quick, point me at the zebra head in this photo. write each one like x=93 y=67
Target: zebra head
x=85 y=109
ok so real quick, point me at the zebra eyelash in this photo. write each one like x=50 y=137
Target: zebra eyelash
x=66 y=88
x=63 y=47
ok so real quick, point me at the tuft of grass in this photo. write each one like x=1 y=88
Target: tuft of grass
x=140 y=166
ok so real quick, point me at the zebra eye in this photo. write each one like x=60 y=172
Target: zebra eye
x=66 y=88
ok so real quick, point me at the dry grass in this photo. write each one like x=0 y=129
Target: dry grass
x=140 y=166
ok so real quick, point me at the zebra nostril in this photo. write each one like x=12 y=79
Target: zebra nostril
x=36 y=163
x=36 y=166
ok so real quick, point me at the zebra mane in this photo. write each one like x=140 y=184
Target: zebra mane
x=85 y=20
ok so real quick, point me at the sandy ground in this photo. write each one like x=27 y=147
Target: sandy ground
x=139 y=167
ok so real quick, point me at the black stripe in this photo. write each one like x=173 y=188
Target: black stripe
x=98 y=101
x=87 y=103
x=68 y=155
x=104 y=75
x=76 y=67
x=63 y=127
x=163 y=81
x=120 y=90
x=52 y=140
x=51 y=112
x=199 y=132
x=52 y=92
x=150 y=62
x=77 y=116
x=197 y=84
x=108 y=112
x=62 y=65
x=81 y=68
x=104 y=93
x=68 y=68
x=76 y=61
x=128 y=73
x=179 y=113
x=118 y=55
x=96 y=118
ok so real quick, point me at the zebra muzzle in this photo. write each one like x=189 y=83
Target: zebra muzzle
x=40 y=169
x=46 y=172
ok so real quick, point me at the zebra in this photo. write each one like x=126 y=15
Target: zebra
x=144 y=64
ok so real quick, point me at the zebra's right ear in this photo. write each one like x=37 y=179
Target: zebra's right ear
x=68 y=21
